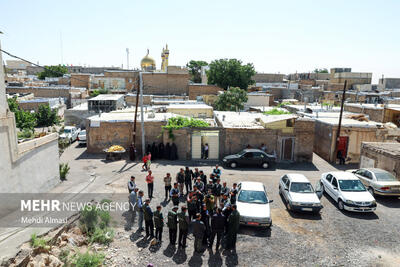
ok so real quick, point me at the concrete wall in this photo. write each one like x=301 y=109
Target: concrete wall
x=81 y=80
x=375 y=114
x=130 y=99
x=195 y=90
x=386 y=159
x=121 y=133
x=192 y=112
x=165 y=84
x=268 y=78
x=260 y=100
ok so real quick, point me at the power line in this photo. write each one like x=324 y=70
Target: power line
x=46 y=68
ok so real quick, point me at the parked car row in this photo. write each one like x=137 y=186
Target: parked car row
x=72 y=134
x=352 y=190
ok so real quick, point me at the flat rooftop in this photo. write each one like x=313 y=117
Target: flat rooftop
x=189 y=106
x=107 y=97
x=130 y=116
x=248 y=120
x=346 y=122
x=384 y=147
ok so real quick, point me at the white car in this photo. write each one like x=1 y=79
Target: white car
x=82 y=137
x=378 y=181
x=298 y=193
x=253 y=204
x=70 y=133
x=348 y=191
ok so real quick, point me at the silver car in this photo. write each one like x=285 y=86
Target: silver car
x=253 y=204
x=378 y=181
x=299 y=194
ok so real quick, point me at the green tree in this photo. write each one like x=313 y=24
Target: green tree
x=45 y=116
x=52 y=71
x=23 y=119
x=231 y=100
x=194 y=67
x=230 y=73
x=324 y=70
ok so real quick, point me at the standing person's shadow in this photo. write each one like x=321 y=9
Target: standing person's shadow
x=196 y=259
x=180 y=256
x=215 y=259
x=231 y=258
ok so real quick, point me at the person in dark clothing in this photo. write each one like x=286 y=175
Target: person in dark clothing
x=188 y=179
x=148 y=219
x=161 y=152
x=206 y=148
x=198 y=232
x=199 y=184
x=167 y=185
x=180 y=179
x=132 y=152
x=192 y=205
x=203 y=178
x=154 y=151
x=217 y=228
x=205 y=218
x=158 y=223
x=167 y=151
x=341 y=158
x=233 y=228
x=148 y=149
x=174 y=194
x=217 y=171
x=227 y=210
x=217 y=191
x=234 y=192
x=172 y=225
x=210 y=186
x=174 y=152
x=213 y=178
x=183 y=227
x=225 y=190
x=196 y=173
x=199 y=198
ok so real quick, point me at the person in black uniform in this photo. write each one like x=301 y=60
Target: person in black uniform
x=172 y=225
x=217 y=228
x=183 y=227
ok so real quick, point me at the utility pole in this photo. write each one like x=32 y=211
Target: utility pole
x=127 y=58
x=141 y=114
x=340 y=120
x=135 y=119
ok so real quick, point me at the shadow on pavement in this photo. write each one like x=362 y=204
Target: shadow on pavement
x=196 y=259
x=254 y=231
x=356 y=215
x=180 y=256
x=214 y=259
x=301 y=215
x=169 y=251
x=389 y=201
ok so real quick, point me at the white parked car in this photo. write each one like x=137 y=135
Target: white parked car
x=82 y=137
x=348 y=191
x=253 y=204
x=298 y=193
x=70 y=133
x=378 y=181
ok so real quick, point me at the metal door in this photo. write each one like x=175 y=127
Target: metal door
x=196 y=146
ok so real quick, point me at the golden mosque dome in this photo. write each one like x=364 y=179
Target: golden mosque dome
x=148 y=63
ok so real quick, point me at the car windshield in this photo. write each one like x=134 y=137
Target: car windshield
x=258 y=197
x=67 y=130
x=301 y=188
x=351 y=185
x=384 y=176
x=241 y=153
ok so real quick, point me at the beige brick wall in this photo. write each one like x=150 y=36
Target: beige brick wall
x=165 y=84
x=202 y=89
x=80 y=80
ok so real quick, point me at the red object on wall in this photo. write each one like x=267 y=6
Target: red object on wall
x=342 y=145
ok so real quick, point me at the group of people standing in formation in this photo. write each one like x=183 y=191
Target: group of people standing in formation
x=209 y=209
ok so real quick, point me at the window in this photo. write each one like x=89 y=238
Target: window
x=289 y=123
x=301 y=188
x=257 y=197
x=329 y=177
x=284 y=179
x=258 y=155
x=248 y=155
x=287 y=183
x=360 y=172
x=334 y=182
x=368 y=175
x=351 y=185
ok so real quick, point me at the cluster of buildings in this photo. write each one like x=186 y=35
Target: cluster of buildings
x=310 y=125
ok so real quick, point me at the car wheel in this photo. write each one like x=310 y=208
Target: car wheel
x=371 y=191
x=340 y=205
x=322 y=188
x=233 y=165
x=265 y=165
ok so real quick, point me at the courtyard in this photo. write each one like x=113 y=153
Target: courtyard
x=329 y=239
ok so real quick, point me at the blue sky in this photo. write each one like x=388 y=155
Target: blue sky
x=276 y=36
